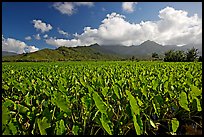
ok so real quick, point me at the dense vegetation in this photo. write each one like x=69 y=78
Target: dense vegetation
x=181 y=56
x=70 y=98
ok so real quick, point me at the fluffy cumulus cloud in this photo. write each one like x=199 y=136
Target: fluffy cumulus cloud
x=17 y=46
x=28 y=38
x=62 y=32
x=69 y=8
x=37 y=37
x=128 y=6
x=43 y=27
x=174 y=27
x=45 y=36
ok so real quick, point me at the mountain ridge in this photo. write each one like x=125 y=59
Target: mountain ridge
x=99 y=52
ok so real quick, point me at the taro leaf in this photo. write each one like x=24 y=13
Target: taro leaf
x=61 y=87
x=105 y=123
x=82 y=82
x=116 y=91
x=6 y=131
x=104 y=91
x=152 y=123
x=8 y=102
x=136 y=125
x=12 y=128
x=42 y=125
x=62 y=103
x=140 y=123
x=133 y=103
x=22 y=109
x=5 y=115
x=99 y=103
x=144 y=92
x=60 y=127
x=183 y=101
x=195 y=91
x=198 y=104
x=139 y=101
x=175 y=124
x=75 y=129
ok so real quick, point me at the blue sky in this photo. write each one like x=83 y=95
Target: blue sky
x=17 y=21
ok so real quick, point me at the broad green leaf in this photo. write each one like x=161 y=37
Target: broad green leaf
x=139 y=101
x=8 y=102
x=62 y=103
x=152 y=123
x=175 y=124
x=198 y=104
x=12 y=128
x=82 y=81
x=116 y=91
x=104 y=91
x=75 y=129
x=133 y=103
x=22 y=109
x=5 y=115
x=136 y=125
x=105 y=123
x=183 y=101
x=195 y=92
x=60 y=127
x=99 y=103
x=42 y=125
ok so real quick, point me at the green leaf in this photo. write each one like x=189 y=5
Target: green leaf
x=75 y=129
x=12 y=128
x=22 y=109
x=133 y=103
x=82 y=81
x=5 y=115
x=175 y=124
x=198 y=104
x=104 y=91
x=195 y=92
x=152 y=123
x=62 y=103
x=116 y=91
x=139 y=101
x=99 y=103
x=42 y=125
x=104 y=121
x=60 y=127
x=136 y=125
x=183 y=101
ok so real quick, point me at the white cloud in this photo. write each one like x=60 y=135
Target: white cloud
x=45 y=36
x=174 y=27
x=37 y=37
x=128 y=6
x=13 y=45
x=39 y=25
x=90 y=4
x=69 y=8
x=62 y=32
x=63 y=42
x=103 y=9
x=28 y=38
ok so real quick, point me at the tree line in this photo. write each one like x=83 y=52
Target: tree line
x=180 y=56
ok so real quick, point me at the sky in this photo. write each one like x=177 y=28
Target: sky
x=31 y=26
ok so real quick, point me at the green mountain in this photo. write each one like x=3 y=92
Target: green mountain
x=92 y=52
x=6 y=53
x=100 y=52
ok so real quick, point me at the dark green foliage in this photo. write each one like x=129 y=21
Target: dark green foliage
x=181 y=56
x=101 y=98
x=192 y=54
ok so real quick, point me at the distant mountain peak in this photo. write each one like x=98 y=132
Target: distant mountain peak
x=94 y=45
